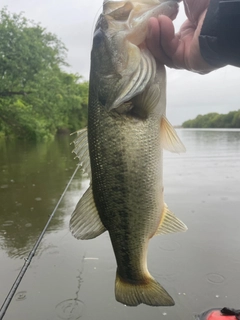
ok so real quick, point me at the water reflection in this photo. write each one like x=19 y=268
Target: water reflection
x=31 y=181
x=69 y=279
x=215 y=140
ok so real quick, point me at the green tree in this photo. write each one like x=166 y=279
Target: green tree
x=215 y=120
x=37 y=98
x=236 y=120
x=25 y=50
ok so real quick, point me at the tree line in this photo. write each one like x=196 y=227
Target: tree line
x=215 y=120
x=37 y=98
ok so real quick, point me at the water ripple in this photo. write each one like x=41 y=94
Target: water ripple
x=215 y=278
x=70 y=309
x=21 y=295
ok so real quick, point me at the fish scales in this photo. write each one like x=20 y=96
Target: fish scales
x=127 y=181
x=127 y=131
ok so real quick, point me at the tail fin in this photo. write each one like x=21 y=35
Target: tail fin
x=150 y=293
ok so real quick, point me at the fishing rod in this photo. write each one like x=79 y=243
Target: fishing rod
x=28 y=260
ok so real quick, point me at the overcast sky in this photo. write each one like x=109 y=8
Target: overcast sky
x=189 y=94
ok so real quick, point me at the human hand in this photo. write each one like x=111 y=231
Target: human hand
x=180 y=50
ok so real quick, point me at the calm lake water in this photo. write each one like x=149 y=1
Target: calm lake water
x=71 y=279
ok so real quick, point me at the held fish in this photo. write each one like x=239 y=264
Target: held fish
x=127 y=130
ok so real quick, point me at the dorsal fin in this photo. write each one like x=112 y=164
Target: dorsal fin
x=81 y=150
x=85 y=222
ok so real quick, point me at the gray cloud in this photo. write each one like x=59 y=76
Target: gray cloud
x=192 y=94
x=189 y=94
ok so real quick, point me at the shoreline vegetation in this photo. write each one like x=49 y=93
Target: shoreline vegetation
x=37 y=98
x=215 y=120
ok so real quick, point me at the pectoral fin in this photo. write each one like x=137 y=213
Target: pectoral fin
x=146 y=102
x=81 y=150
x=85 y=222
x=170 y=223
x=169 y=138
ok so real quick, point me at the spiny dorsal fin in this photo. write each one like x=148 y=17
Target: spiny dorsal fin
x=169 y=138
x=170 y=223
x=81 y=150
x=85 y=222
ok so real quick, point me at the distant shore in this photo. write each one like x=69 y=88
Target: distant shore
x=214 y=120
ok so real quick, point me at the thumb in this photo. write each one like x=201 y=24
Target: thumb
x=194 y=8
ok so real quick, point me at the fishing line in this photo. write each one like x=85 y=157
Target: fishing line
x=97 y=15
x=28 y=260
x=95 y=21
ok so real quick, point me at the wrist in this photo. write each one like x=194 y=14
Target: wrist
x=219 y=39
x=208 y=40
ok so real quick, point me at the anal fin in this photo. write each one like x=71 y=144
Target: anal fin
x=85 y=222
x=170 y=223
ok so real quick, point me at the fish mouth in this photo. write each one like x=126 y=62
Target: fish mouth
x=127 y=27
x=132 y=17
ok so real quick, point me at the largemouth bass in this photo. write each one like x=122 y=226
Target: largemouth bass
x=127 y=130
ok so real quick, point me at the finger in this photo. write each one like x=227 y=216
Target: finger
x=194 y=8
x=168 y=40
x=153 y=40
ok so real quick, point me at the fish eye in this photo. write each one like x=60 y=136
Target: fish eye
x=98 y=37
